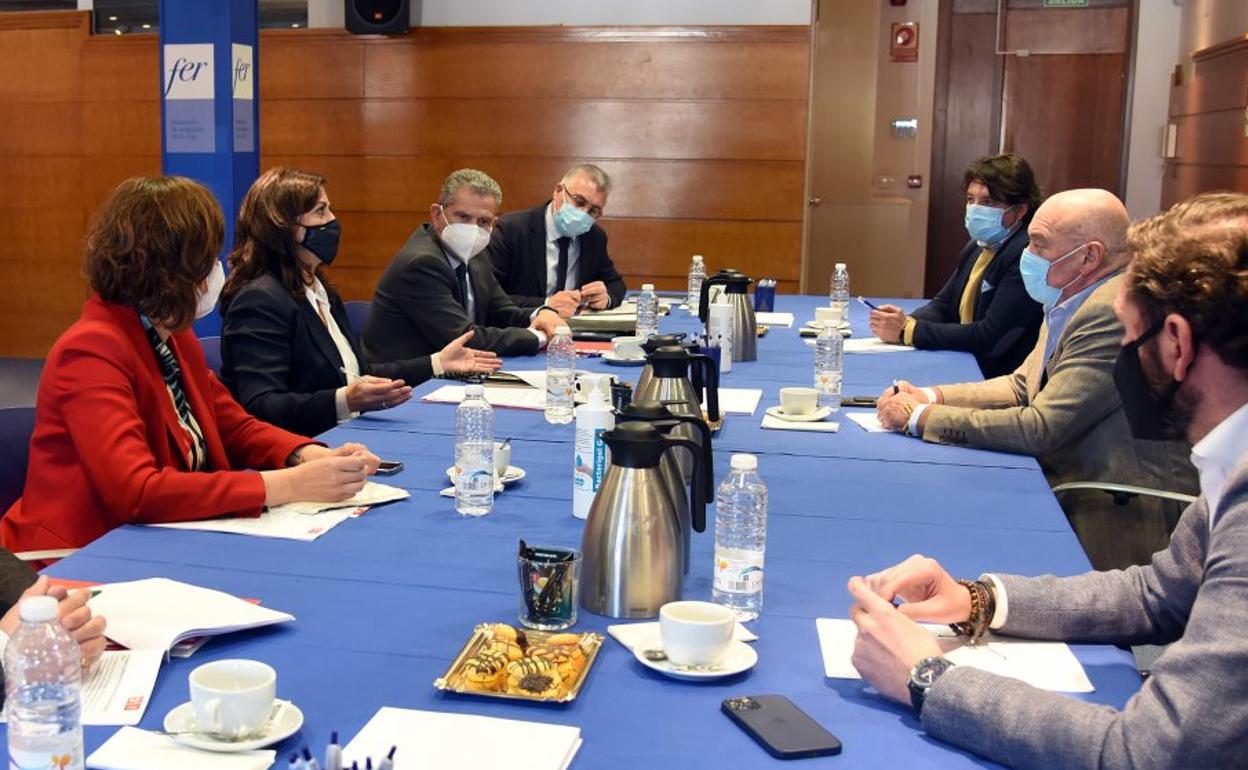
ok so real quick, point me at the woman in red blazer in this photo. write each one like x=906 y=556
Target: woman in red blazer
x=130 y=426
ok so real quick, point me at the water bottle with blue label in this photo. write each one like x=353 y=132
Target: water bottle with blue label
x=740 y=539
x=474 y=454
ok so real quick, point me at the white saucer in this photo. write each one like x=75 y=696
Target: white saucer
x=611 y=358
x=814 y=324
x=739 y=657
x=815 y=416
x=288 y=722
x=510 y=476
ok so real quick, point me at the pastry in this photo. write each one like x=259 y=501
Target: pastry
x=486 y=671
x=519 y=669
x=567 y=658
x=561 y=639
x=505 y=647
x=504 y=632
x=537 y=686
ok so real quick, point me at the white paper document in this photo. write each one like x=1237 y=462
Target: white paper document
x=784 y=320
x=869 y=421
x=775 y=423
x=372 y=493
x=503 y=397
x=157 y=613
x=738 y=400
x=133 y=749
x=1047 y=665
x=282 y=522
x=432 y=739
x=874 y=345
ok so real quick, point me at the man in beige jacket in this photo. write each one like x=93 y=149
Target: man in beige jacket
x=1061 y=405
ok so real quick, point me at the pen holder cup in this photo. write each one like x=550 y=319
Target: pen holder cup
x=549 y=582
x=764 y=299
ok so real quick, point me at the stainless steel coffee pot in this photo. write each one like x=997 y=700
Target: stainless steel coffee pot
x=631 y=547
x=672 y=387
x=651 y=345
x=660 y=417
x=744 y=327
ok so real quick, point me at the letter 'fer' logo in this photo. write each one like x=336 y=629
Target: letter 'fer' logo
x=188 y=71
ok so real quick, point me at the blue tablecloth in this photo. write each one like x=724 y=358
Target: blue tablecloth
x=384 y=601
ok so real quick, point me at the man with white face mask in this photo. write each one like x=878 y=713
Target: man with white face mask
x=439 y=285
x=1060 y=405
x=556 y=253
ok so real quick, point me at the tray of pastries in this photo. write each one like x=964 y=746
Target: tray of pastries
x=500 y=661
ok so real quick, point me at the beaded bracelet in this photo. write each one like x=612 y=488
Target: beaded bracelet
x=983 y=607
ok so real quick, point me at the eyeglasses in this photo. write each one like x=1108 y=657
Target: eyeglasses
x=581 y=202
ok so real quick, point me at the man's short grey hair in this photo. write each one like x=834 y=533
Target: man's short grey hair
x=478 y=181
x=597 y=177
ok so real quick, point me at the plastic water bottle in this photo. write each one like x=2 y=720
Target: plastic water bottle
x=829 y=365
x=474 y=454
x=838 y=297
x=560 y=376
x=592 y=456
x=740 y=539
x=647 y=312
x=697 y=274
x=43 y=690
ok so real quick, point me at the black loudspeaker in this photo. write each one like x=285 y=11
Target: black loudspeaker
x=377 y=17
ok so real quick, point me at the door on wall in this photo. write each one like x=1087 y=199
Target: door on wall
x=1058 y=80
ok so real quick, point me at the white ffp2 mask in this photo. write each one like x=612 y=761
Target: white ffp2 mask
x=213 y=284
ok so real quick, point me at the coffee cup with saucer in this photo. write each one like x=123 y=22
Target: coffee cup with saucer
x=233 y=708
x=799 y=405
x=695 y=641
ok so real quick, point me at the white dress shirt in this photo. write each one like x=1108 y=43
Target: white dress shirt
x=552 y=256
x=1216 y=455
x=319 y=299
x=453 y=262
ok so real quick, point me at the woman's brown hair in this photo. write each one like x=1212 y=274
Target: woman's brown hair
x=264 y=238
x=152 y=245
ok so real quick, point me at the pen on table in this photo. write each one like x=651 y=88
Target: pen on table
x=333 y=753
x=867 y=302
x=388 y=762
x=896 y=388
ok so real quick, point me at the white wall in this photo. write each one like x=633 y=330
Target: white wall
x=471 y=13
x=1157 y=51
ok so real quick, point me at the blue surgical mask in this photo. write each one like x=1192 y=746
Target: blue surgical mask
x=1035 y=271
x=571 y=221
x=984 y=224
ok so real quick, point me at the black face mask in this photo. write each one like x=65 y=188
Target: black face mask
x=1149 y=414
x=322 y=240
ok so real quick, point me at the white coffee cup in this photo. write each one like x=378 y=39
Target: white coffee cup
x=828 y=313
x=502 y=458
x=799 y=401
x=233 y=698
x=628 y=347
x=695 y=633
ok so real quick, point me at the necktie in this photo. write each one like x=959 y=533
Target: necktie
x=561 y=270
x=461 y=274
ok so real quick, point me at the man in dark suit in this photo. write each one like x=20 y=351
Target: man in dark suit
x=556 y=254
x=437 y=287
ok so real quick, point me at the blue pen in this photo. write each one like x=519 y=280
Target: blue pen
x=309 y=761
x=388 y=762
x=867 y=303
x=333 y=753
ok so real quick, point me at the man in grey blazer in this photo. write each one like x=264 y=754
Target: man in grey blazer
x=1060 y=405
x=1183 y=367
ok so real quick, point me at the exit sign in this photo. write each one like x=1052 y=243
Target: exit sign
x=1065 y=3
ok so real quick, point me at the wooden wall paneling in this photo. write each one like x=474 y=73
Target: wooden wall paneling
x=27 y=182
x=310 y=126
x=1183 y=180
x=50 y=233
x=1212 y=138
x=1216 y=83
x=43 y=128
x=102 y=173
x=1064 y=114
x=1068 y=30
x=121 y=128
x=120 y=69
x=316 y=68
x=39 y=64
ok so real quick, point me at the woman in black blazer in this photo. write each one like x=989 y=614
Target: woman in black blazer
x=288 y=352
x=983 y=307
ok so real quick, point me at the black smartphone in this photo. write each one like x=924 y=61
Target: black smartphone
x=389 y=467
x=780 y=727
x=862 y=401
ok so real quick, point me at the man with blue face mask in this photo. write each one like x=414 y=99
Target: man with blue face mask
x=983 y=308
x=1060 y=405
x=438 y=286
x=555 y=254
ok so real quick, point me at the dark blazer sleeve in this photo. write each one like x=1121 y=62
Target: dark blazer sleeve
x=604 y=269
x=1009 y=315
x=256 y=339
x=412 y=371
x=506 y=255
x=429 y=292
x=15 y=577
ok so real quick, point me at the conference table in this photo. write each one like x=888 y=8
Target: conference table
x=384 y=601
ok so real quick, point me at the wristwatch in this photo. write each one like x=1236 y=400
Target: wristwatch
x=922 y=677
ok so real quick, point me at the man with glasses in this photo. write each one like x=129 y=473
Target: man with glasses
x=1060 y=405
x=556 y=254
x=436 y=287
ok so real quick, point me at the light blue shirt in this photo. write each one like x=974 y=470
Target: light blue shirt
x=1057 y=318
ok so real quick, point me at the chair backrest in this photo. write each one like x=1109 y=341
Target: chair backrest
x=212 y=353
x=17 y=423
x=357 y=315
